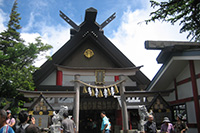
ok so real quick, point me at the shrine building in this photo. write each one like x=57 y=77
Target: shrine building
x=89 y=74
x=179 y=73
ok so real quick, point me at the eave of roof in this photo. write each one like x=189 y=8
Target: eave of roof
x=174 y=61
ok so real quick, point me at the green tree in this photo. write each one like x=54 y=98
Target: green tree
x=17 y=58
x=186 y=12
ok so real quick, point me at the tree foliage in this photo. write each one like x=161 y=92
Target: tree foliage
x=17 y=58
x=186 y=12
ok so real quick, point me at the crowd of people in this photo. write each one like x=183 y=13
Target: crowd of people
x=27 y=124
x=8 y=123
x=167 y=127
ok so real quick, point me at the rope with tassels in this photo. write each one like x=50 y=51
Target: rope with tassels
x=98 y=92
x=100 y=87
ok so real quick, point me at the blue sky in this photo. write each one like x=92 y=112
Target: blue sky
x=41 y=18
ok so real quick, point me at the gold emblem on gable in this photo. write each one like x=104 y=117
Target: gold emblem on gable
x=88 y=53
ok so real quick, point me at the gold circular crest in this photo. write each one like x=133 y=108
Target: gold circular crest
x=88 y=53
x=40 y=113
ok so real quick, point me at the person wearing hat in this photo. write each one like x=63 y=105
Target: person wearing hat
x=10 y=120
x=167 y=127
x=180 y=126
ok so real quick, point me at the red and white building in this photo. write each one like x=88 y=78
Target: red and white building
x=180 y=71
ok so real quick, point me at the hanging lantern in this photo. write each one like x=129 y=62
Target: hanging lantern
x=109 y=93
x=92 y=93
x=100 y=93
x=84 y=89
x=116 y=90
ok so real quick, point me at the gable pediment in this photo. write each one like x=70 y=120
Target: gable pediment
x=89 y=35
x=99 y=58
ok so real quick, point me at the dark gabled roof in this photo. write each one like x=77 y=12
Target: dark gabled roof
x=158 y=96
x=88 y=30
x=172 y=65
x=170 y=48
x=38 y=100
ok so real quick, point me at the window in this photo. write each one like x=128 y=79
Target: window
x=180 y=109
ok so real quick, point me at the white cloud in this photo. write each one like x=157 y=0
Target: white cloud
x=30 y=23
x=2 y=20
x=130 y=38
x=56 y=36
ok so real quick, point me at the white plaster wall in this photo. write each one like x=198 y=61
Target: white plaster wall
x=197 y=71
x=192 y=130
x=197 y=66
x=68 y=80
x=171 y=86
x=198 y=85
x=184 y=74
x=191 y=112
x=185 y=90
x=87 y=78
x=171 y=97
x=50 y=80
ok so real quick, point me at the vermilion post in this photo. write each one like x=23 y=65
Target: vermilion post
x=116 y=78
x=59 y=78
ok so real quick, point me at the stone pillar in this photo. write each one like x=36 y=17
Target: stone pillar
x=124 y=107
x=76 y=102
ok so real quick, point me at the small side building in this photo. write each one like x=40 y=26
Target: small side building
x=180 y=71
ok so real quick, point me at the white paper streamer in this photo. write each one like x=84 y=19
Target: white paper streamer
x=112 y=91
x=89 y=91
x=105 y=93
x=96 y=92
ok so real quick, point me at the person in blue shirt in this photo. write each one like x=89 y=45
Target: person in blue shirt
x=4 y=128
x=105 y=123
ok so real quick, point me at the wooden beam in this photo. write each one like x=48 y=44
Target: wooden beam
x=33 y=94
x=91 y=71
x=147 y=93
x=163 y=44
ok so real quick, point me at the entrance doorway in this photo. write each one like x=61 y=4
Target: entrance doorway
x=90 y=110
x=90 y=120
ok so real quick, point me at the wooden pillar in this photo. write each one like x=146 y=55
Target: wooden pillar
x=124 y=107
x=195 y=93
x=176 y=91
x=59 y=78
x=76 y=102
